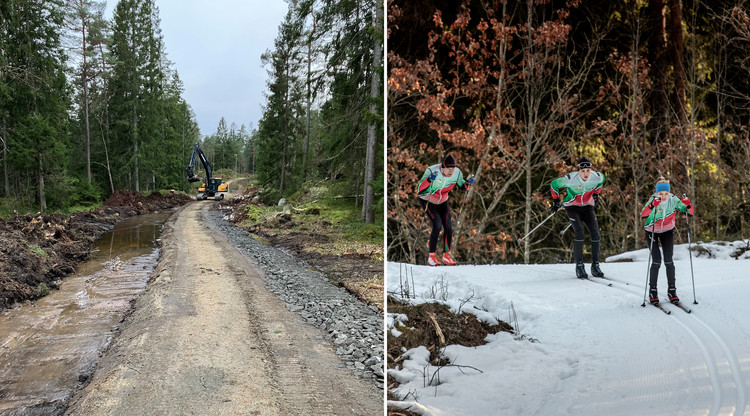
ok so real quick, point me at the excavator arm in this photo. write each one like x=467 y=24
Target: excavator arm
x=212 y=187
x=197 y=152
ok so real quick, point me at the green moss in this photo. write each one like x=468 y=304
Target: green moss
x=40 y=291
x=366 y=233
x=34 y=248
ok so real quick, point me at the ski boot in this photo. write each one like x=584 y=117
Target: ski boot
x=581 y=271
x=672 y=293
x=596 y=271
x=653 y=296
x=433 y=260
x=447 y=260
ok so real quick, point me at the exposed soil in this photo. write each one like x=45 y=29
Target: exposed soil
x=206 y=338
x=457 y=329
x=37 y=251
x=356 y=266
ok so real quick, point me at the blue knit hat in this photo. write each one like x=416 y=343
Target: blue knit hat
x=664 y=186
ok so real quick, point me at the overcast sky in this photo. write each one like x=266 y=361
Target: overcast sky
x=216 y=48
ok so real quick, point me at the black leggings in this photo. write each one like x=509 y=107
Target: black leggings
x=580 y=216
x=440 y=215
x=667 y=246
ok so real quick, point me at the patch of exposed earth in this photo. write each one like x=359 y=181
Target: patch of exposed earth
x=37 y=251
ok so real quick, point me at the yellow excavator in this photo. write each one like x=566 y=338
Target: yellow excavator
x=211 y=187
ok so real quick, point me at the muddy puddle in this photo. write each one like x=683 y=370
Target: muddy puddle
x=49 y=348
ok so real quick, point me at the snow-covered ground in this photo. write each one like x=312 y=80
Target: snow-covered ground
x=598 y=351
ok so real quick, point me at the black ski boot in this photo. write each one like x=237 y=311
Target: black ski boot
x=653 y=296
x=596 y=271
x=581 y=271
x=672 y=293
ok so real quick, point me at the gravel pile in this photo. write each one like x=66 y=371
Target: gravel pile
x=354 y=329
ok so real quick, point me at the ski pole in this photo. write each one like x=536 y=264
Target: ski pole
x=461 y=208
x=565 y=229
x=690 y=252
x=648 y=263
x=535 y=228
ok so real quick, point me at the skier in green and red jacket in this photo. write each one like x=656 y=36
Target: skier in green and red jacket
x=660 y=212
x=582 y=190
x=437 y=181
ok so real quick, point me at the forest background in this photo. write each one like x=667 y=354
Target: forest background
x=517 y=91
x=90 y=105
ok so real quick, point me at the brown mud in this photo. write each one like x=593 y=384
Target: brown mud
x=37 y=251
x=358 y=267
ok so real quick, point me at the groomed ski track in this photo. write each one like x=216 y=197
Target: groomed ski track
x=722 y=363
x=621 y=358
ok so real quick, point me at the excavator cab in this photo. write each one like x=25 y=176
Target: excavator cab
x=215 y=187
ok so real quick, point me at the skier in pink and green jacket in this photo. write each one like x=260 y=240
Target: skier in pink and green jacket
x=660 y=213
x=433 y=189
x=582 y=190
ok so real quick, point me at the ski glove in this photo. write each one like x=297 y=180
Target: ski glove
x=596 y=199
x=556 y=205
x=654 y=203
x=471 y=180
x=686 y=201
x=433 y=176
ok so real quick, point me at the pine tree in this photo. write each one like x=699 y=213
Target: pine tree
x=138 y=78
x=34 y=116
x=83 y=17
x=277 y=127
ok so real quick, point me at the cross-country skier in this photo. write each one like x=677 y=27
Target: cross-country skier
x=582 y=190
x=660 y=212
x=433 y=189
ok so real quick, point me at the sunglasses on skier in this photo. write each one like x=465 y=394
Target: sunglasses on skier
x=584 y=165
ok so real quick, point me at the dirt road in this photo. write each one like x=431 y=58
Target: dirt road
x=207 y=338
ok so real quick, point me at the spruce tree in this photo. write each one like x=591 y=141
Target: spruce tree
x=34 y=115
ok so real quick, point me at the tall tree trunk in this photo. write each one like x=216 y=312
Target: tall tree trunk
x=85 y=81
x=135 y=149
x=368 y=213
x=634 y=136
x=678 y=56
x=680 y=90
x=309 y=97
x=285 y=129
x=5 y=170
x=42 y=199
x=528 y=69
x=657 y=57
x=105 y=136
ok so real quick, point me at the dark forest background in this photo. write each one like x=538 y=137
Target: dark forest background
x=517 y=91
